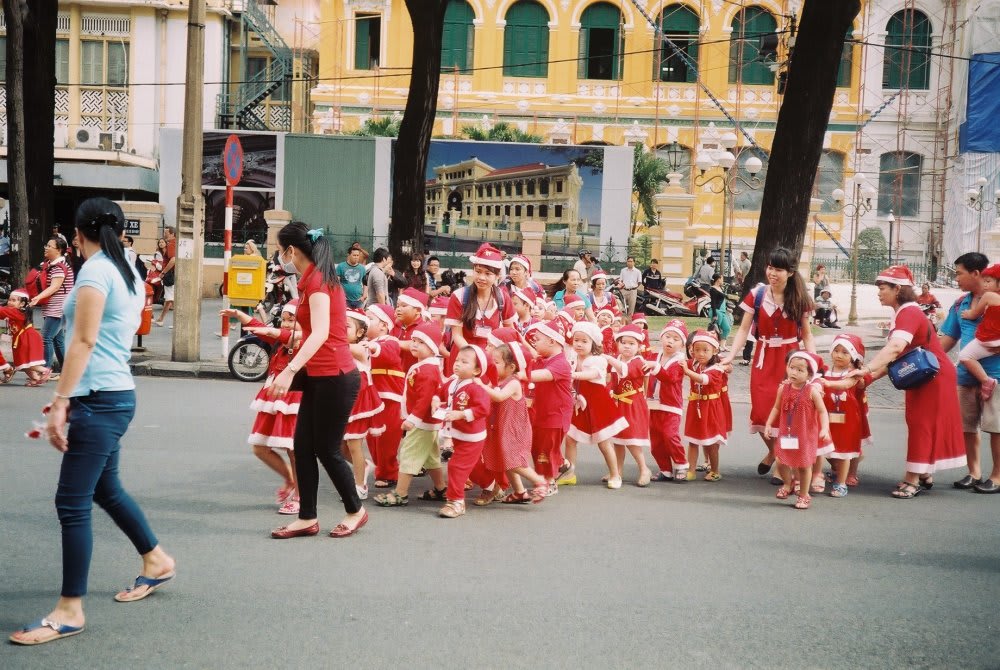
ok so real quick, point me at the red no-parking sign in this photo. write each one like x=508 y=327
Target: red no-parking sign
x=232 y=160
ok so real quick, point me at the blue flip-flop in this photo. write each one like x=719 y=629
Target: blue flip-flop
x=61 y=631
x=151 y=582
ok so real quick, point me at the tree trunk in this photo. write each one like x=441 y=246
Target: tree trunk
x=414 y=141
x=39 y=107
x=802 y=123
x=15 y=13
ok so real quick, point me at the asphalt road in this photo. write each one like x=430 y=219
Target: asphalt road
x=691 y=576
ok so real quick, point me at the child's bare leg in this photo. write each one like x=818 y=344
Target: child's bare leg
x=620 y=457
x=804 y=474
x=436 y=475
x=852 y=471
x=712 y=453
x=840 y=469
x=640 y=459
x=515 y=480
x=609 y=458
x=357 y=453
x=291 y=466
x=403 y=483
x=571 y=451
x=975 y=369
x=273 y=460
x=693 y=455
x=787 y=478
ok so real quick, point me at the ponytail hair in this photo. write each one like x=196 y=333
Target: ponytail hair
x=102 y=221
x=797 y=300
x=313 y=244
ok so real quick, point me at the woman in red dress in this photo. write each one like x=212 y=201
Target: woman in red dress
x=779 y=313
x=475 y=311
x=933 y=418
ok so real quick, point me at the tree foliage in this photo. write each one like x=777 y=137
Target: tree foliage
x=649 y=173
x=387 y=126
x=500 y=132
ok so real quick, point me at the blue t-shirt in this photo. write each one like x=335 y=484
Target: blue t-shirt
x=558 y=298
x=352 y=278
x=107 y=369
x=964 y=331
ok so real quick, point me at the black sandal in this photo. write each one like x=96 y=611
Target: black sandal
x=927 y=482
x=433 y=495
x=906 y=490
x=385 y=483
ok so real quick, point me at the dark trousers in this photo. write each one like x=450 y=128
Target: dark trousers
x=319 y=431
x=89 y=474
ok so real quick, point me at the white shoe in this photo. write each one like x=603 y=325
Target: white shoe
x=615 y=483
x=362 y=492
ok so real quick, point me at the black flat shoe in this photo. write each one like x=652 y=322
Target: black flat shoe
x=988 y=486
x=763 y=468
x=967 y=482
x=776 y=481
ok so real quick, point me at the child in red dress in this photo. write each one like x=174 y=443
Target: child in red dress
x=26 y=343
x=843 y=405
x=274 y=426
x=628 y=380
x=596 y=417
x=466 y=407
x=666 y=404
x=552 y=378
x=387 y=376
x=509 y=430
x=800 y=424
x=707 y=424
x=987 y=332
x=366 y=415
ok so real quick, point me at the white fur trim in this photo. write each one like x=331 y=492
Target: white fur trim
x=426 y=339
x=423 y=425
x=706 y=442
x=261 y=440
x=620 y=424
x=633 y=442
x=412 y=302
x=466 y=437
x=929 y=468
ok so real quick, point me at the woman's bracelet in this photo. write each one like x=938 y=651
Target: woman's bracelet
x=59 y=396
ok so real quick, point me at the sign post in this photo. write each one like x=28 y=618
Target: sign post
x=232 y=162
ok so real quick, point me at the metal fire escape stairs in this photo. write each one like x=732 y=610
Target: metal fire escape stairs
x=248 y=114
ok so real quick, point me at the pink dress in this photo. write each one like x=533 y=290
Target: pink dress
x=508 y=435
x=709 y=417
x=798 y=419
x=601 y=418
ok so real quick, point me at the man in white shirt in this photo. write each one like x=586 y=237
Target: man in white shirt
x=630 y=278
x=707 y=271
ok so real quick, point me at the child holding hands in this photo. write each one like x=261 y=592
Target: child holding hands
x=629 y=384
x=666 y=404
x=709 y=420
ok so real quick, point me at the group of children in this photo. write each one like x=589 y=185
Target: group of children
x=508 y=416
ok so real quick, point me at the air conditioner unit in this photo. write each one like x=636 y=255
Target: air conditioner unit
x=111 y=141
x=60 y=136
x=88 y=137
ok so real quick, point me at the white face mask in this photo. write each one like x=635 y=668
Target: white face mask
x=289 y=267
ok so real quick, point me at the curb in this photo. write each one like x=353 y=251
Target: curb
x=171 y=369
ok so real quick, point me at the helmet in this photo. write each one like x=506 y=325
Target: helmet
x=584 y=252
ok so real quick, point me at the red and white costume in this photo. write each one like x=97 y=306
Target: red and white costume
x=600 y=418
x=468 y=434
x=666 y=406
x=708 y=420
x=488 y=320
x=628 y=381
x=388 y=378
x=422 y=382
x=552 y=408
x=274 y=425
x=26 y=342
x=777 y=336
x=844 y=408
x=366 y=415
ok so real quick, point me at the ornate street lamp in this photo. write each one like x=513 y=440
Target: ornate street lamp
x=976 y=202
x=860 y=204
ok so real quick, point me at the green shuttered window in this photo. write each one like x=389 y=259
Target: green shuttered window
x=679 y=24
x=745 y=62
x=899 y=183
x=526 y=40
x=458 y=37
x=602 y=43
x=906 y=62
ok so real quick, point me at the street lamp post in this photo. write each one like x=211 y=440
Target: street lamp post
x=891 y=219
x=976 y=202
x=860 y=205
x=728 y=182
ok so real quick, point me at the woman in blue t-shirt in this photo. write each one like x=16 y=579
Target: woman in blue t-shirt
x=96 y=396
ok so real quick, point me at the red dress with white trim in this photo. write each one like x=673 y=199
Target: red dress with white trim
x=488 y=320
x=607 y=301
x=629 y=393
x=26 y=342
x=777 y=335
x=933 y=418
x=798 y=419
x=708 y=420
x=601 y=418
x=845 y=413
x=274 y=425
x=366 y=415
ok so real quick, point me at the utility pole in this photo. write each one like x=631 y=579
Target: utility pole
x=190 y=203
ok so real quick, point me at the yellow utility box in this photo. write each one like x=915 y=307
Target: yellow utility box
x=246 y=280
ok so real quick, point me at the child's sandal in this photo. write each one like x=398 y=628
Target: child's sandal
x=782 y=493
x=803 y=502
x=485 y=497
x=818 y=485
x=391 y=499
x=838 y=491
x=433 y=495
x=515 y=498
x=454 y=508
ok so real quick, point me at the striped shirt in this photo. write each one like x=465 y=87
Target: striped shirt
x=58 y=268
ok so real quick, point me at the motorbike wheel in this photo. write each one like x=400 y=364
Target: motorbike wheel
x=706 y=311
x=249 y=361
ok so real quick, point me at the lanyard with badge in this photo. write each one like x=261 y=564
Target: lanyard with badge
x=483 y=328
x=838 y=415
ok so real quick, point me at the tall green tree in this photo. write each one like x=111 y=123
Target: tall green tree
x=649 y=173
x=387 y=126
x=500 y=132
x=802 y=123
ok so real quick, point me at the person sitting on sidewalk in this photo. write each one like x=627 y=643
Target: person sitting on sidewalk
x=826 y=312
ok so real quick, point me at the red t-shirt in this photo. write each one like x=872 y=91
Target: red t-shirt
x=553 y=404
x=334 y=356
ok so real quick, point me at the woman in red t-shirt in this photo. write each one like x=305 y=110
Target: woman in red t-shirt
x=330 y=383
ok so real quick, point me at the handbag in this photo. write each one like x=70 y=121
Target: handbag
x=914 y=368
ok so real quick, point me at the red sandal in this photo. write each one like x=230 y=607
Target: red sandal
x=803 y=502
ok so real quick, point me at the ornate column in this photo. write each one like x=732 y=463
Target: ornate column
x=673 y=238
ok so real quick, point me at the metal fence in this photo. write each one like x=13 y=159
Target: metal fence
x=839 y=269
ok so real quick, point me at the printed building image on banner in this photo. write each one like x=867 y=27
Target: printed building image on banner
x=255 y=193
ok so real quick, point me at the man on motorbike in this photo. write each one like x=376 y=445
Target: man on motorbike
x=928 y=303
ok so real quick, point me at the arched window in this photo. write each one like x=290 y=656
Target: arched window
x=829 y=176
x=846 y=61
x=746 y=65
x=749 y=200
x=526 y=40
x=899 y=183
x=679 y=24
x=602 y=43
x=907 y=51
x=458 y=37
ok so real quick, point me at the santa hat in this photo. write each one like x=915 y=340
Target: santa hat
x=522 y=355
x=489 y=256
x=480 y=357
x=551 y=329
x=600 y=274
x=414 y=298
x=291 y=306
x=384 y=313
x=899 y=275
x=523 y=261
x=852 y=343
x=358 y=316
x=813 y=361
x=429 y=334
x=439 y=306
x=503 y=336
x=631 y=331
x=992 y=271
x=589 y=329
x=639 y=317
x=20 y=293
x=677 y=327
x=706 y=337
x=606 y=310
x=526 y=294
x=571 y=300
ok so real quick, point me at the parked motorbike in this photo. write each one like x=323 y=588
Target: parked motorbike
x=667 y=303
x=250 y=359
x=279 y=288
x=5 y=285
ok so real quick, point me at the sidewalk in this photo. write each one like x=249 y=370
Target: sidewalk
x=155 y=360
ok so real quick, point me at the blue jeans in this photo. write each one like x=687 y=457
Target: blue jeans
x=54 y=339
x=89 y=474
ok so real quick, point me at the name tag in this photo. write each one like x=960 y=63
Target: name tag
x=837 y=417
x=440 y=414
x=483 y=331
x=790 y=443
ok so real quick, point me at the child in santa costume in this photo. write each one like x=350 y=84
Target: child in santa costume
x=26 y=343
x=419 y=449
x=605 y=321
x=842 y=397
x=552 y=409
x=465 y=406
x=524 y=300
x=628 y=382
x=596 y=417
x=666 y=404
x=639 y=319
x=410 y=308
x=707 y=424
x=388 y=377
x=366 y=416
x=800 y=424
x=273 y=429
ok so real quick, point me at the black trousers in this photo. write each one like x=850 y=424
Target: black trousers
x=319 y=430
